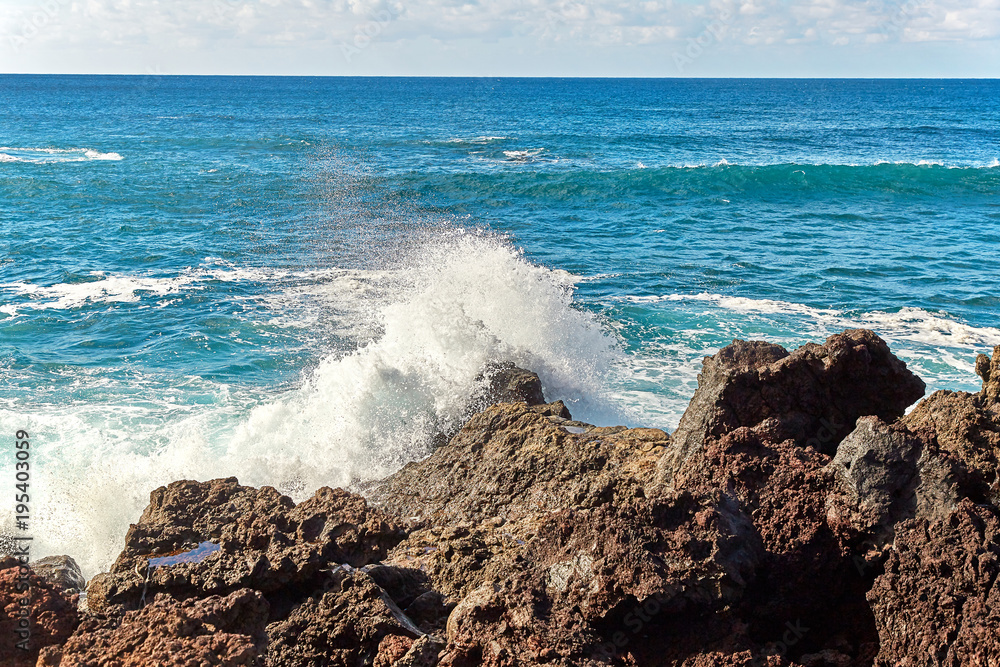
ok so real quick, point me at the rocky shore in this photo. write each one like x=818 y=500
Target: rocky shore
x=796 y=517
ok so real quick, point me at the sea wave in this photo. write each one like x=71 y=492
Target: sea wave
x=915 y=324
x=460 y=303
x=52 y=155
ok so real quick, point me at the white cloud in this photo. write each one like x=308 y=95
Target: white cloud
x=530 y=24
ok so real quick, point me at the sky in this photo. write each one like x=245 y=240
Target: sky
x=694 y=38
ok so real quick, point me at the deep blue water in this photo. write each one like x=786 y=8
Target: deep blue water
x=296 y=280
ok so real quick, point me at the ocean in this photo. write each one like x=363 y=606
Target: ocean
x=296 y=281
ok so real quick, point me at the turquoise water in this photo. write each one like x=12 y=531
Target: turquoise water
x=296 y=281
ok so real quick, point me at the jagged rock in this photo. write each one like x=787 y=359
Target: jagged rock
x=807 y=573
x=266 y=542
x=352 y=623
x=586 y=571
x=61 y=571
x=938 y=602
x=506 y=383
x=224 y=631
x=888 y=474
x=423 y=653
x=989 y=370
x=813 y=396
x=509 y=461
x=28 y=599
x=968 y=426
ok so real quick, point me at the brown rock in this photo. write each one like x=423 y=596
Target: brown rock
x=509 y=462
x=48 y=611
x=968 y=427
x=938 y=602
x=808 y=574
x=352 y=623
x=813 y=396
x=989 y=370
x=267 y=542
x=61 y=571
x=224 y=631
x=506 y=383
x=590 y=575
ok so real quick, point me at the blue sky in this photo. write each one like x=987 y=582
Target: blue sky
x=822 y=38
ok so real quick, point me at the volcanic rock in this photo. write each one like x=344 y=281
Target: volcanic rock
x=354 y=622
x=266 y=542
x=508 y=462
x=938 y=602
x=968 y=426
x=588 y=576
x=989 y=370
x=812 y=396
x=225 y=631
x=61 y=571
x=889 y=474
x=507 y=383
x=47 y=609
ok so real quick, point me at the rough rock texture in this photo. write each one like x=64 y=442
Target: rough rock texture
x=268 y=543
x=510 y=461
x=813 y=396
x=795 y=519
x=807 y=573
x=225 y=631
x=352 y=623
x=62 y=571
x=989 y=370
x=967 y=425
x=587 y=573
x=51 y=614
x=506 y=383
x=889 y=474
x=938 y=602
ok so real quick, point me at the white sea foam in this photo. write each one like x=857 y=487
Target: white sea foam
x=461 y=303
x=913 y=324
x=528 y=155
x=51 y=155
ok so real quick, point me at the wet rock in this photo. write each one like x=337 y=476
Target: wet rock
x=812 y=396
x=938 y=602
x=61 y=571
x=267 y=542
x=225 y=631
x=27 y=599
x=509 y=462
x=353 y=622
x=506 y=383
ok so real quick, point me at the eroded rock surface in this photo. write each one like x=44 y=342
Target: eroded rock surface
x=225 y=631
x=509 y=461
x=812 y=396
x=938 y=602
x=353 y=622
x=267 y=542
x=795 y=519
x=34 y=611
